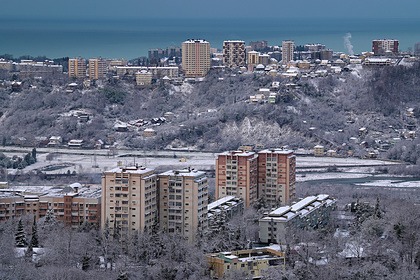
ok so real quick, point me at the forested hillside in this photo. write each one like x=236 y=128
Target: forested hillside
x=216 y=114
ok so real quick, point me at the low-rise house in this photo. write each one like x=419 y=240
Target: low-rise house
x=318 y=150
x=55 y=141
x=75 y=143
x=250 y=261
x=149 y=132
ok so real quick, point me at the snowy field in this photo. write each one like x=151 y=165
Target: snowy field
x=97 y=161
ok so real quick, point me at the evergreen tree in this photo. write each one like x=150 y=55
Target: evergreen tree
x=34 y=154
x=34 y=238
x=85 y=261
x=20 y=236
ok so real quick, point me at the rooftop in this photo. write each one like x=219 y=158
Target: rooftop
x=130 y=169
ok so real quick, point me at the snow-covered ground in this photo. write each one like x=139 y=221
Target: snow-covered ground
x=392 y=184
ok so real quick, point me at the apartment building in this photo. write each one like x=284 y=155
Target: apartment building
x=224 y=209
x=144 y=78
x=288 y=48
x=157 y=72
x=129 y=199
x=310 y=212
x=195 y=58
x=234 y=53
x=384 y=46
x=276 y=176
x=417 y=49
x=73 y=205
x=236 y=174
x=97 y=68
x=183 y=199
x=77 y=67
x=253 y=58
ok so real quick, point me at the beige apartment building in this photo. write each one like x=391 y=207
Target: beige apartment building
x=195 y=58
x=129 y=199
x=97 y=68
x=183 y=199
x=276 y=176
x=144 y=78
x=236 y=174
x=288 y=48
x=234 y=53
x=253 y=58
x=77 y=67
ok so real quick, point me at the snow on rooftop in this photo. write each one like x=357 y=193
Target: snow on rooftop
x=131 y=170
x=220 y=202
x=184 y=173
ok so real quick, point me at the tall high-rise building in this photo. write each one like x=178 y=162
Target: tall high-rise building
x=77 y=67
x=236 y=174
x=384 y=46
x=276 y=176
x=183 y=199
x=417 y=49
x=234 y=53
x=253 y=58
x=195 y=58
x=97 y=68
x=129 y=199
x=288 y=48
x=270 y=174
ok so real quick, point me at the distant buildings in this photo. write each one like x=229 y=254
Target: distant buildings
x=234 y=53
x=258 y=45
x=161 y=53
x=385 y=46
x=253 y=58
x=288 y=48
x=183 y=198
x=195 y=58
x=417 y=49
x=77 y=67
x=97 y=68
x=129 y=199
x=310 y=212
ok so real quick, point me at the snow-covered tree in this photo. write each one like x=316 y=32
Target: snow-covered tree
x=20 y=236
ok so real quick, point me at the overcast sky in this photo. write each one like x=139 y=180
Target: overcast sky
x=102 y=9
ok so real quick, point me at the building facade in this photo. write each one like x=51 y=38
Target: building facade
x=248 y=261
x=234 y=53
x=288 y=48
x=183 y=199
x=129 y=199
x=310 y=212
x=74 y=205
x=97 y=68
x=195 y=58
x=236 y=175
x=384 y=46
x=253 y=58
x=144 y=78
x=417 y=49
x=77 y=67
x=276 y=176
x=223 y=209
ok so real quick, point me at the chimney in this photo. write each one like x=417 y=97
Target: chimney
x=76 y=189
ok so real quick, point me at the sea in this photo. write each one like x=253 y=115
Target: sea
x=131 y=38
